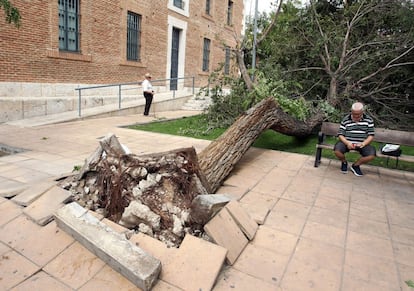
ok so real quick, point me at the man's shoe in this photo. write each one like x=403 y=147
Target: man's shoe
x=344 y=167
x=357 y=171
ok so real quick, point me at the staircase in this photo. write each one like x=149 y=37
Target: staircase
x=197 y=103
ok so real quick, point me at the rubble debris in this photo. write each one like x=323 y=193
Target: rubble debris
x=152 y=194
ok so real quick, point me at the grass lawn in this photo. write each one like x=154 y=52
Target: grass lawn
x=269 y=139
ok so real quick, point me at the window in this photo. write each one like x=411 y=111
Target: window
x=227 y=61
x=133 y=36
x=206 y=54
x=179 y=4
x=208 y=7
x=69 y=25
x=230 y=13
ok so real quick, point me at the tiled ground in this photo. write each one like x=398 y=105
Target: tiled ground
x=321 y=230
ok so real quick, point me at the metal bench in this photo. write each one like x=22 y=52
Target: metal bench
x=382 y=135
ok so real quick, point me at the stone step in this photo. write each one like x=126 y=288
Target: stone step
x=197 y=103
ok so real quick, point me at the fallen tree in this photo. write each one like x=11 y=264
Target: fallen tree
x=220 y=157
x=154 y=193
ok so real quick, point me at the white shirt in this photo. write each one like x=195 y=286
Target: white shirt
x=146 y=86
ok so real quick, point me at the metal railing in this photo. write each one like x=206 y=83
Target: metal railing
x=165 y=83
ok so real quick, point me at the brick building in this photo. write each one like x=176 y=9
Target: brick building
x=64 y=44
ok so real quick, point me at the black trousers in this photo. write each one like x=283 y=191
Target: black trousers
x=148 y=102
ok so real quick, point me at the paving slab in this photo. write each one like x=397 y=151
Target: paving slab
x=18 y=229
x=4 y=248
x=75 y=266
x=195 y=266
x=14 y=269
x=156 y=248
x=242 y=218
x=263 y=263
x=41 y=281
x=307 y=276
x=225 y=232
x=108 y=279
x=257 y=205
x=275 y=240
x=113 y=248
x=11 y=188
x=9 y=211
x=43 y=208
x=35 y=191
x=44 y=245
x=233 y=279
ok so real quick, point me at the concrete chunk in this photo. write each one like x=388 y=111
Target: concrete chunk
x=113 y=248
x=225 y=232
x=242 y=218
x=204 y=207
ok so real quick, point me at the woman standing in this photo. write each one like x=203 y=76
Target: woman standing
x=148 y=93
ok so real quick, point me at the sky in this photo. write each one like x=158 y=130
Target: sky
x=263 y=5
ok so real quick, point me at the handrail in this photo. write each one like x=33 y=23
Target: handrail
x=119 y=85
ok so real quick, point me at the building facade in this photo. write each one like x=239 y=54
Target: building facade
x=63 y=44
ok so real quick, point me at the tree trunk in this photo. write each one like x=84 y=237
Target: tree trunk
x=218 y=159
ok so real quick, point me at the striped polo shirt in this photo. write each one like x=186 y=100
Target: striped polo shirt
x=356 y=131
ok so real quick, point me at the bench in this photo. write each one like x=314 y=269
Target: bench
x=382 y=135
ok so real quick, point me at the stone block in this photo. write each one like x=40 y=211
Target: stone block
x=204 y=207
x=10 y=110
x=30 y=89
x=59 y=105
x=113 y=248
x=33 y=107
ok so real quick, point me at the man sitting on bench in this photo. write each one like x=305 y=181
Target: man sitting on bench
x=356 y=132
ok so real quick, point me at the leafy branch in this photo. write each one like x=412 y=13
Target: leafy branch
x=11 y=12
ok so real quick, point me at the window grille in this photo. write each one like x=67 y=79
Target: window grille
x=230 y=13
x=133 y=36
x=208 y=7
x=206 y=54
x=69 y=25
x=227 y=62
x=179 y=4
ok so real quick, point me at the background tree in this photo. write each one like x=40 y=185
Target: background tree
x=343 y=51
x=12 y=13
x=323 y=57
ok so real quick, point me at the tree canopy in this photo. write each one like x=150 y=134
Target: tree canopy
x=333 y=53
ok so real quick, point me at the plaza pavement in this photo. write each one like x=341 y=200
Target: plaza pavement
x=321 y=229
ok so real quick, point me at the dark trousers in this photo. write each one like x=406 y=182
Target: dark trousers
x=148 y=102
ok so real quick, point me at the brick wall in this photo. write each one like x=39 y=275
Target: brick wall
x=31 y=53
